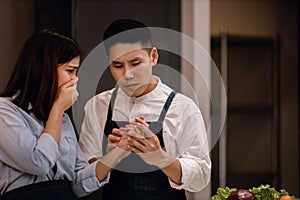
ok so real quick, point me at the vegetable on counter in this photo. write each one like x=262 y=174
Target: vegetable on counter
x=242 y=194
x=286 y=197
x=223 y=193
x=263 y=192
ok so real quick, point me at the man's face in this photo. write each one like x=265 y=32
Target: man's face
x=131 y=67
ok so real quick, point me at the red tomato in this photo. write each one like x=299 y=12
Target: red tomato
x=286 y=197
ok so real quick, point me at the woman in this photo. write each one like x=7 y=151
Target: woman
x=39 y=156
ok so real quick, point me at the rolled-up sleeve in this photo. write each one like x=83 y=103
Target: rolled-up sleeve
x=192 y=148
x=193 y=180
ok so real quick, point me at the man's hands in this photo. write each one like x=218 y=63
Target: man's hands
x=117 y=138
x=138 y=138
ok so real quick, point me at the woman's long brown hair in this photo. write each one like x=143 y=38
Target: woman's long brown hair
x=34 y=80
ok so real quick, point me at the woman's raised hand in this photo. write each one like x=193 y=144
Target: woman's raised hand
x=67 y=94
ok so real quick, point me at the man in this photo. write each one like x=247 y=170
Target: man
x=163 y=130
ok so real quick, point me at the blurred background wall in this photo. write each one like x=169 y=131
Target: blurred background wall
x=20 y=18
x=16 y=24
x=262 y=18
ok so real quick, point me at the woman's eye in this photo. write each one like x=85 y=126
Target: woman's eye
x=72 y=71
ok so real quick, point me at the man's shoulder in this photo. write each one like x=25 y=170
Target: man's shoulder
x=102 y=97
x=186 y=102
x=104 y=94
x=179 y=97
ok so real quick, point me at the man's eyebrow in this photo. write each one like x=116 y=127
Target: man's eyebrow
x=138 y=58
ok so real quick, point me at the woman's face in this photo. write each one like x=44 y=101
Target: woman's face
x=67 y=71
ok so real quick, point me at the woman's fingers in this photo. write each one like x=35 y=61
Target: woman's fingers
x=72 y=82
x=67 y=94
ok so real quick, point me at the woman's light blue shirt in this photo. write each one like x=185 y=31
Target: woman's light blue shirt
x=27 y=154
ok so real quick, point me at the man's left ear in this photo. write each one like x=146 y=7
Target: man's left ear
x=154 y=55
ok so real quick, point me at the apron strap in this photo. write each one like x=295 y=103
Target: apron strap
x=166 y=106
x=111 y=104
x=162 y=114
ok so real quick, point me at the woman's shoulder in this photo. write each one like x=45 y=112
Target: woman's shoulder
x=6 y=102
x=10 y=110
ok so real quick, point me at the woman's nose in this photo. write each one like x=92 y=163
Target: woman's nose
x=73 y=75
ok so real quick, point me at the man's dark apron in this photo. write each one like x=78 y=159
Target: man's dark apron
x=139 y=180
x=48 y=190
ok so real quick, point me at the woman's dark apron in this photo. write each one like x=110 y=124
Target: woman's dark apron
x=139 y=180
x=48 y=190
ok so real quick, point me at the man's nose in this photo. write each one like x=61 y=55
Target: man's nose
x=128 y=72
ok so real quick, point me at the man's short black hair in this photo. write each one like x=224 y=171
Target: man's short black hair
x=129 y=30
